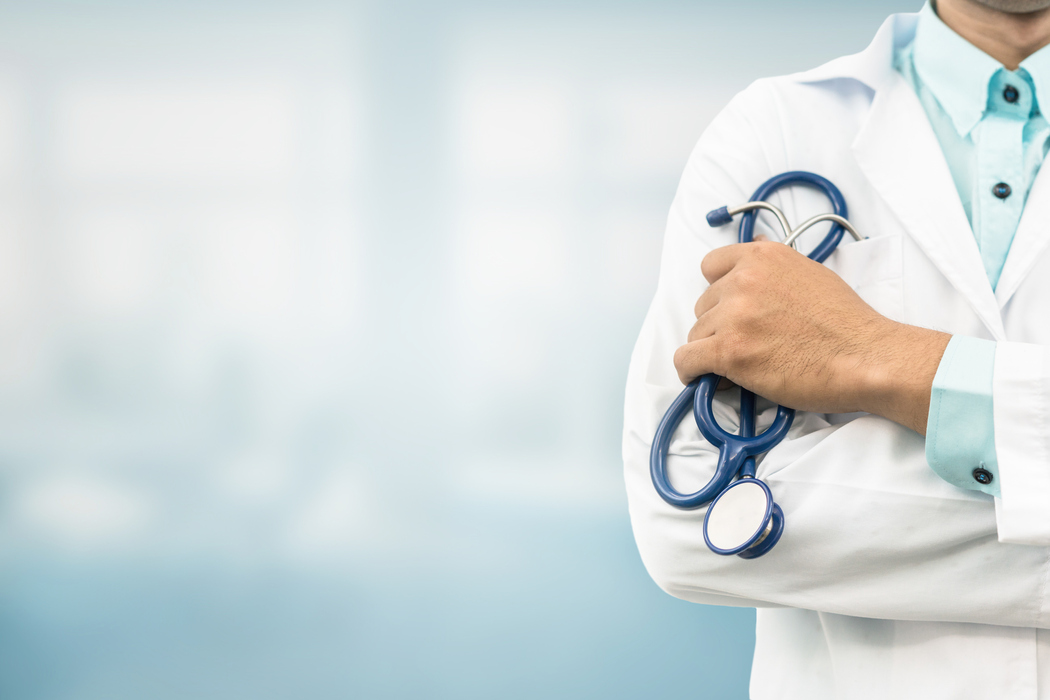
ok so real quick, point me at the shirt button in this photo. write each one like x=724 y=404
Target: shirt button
x=1002 y=190
x=982 y=476
x=1010 y=94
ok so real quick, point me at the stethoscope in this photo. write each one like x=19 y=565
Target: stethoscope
x=743 y=519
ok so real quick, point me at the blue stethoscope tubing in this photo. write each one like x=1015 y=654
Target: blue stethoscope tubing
x=737 y=453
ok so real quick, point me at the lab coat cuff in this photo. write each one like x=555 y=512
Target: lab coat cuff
x=960 y=431
x=1022 y=392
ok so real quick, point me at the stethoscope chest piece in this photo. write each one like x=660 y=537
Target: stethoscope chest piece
x=743 y=520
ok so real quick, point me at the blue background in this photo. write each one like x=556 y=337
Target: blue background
x=314 y=322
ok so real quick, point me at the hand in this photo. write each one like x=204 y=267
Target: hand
x=792 y=331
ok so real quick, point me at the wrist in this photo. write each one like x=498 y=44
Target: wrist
x=898 y=377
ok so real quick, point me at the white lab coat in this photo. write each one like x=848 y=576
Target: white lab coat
x=888 y=582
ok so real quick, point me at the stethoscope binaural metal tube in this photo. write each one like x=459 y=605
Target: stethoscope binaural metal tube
x=751 y=206
x=791 y=235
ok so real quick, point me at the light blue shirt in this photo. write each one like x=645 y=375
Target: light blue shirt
x=994 y=139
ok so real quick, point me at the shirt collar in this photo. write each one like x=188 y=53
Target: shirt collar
x=954 y=70
x=1038 y=67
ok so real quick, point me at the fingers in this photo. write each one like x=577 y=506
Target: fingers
x=720 y=261
x=717 y=310
x=704 y=327
x=708 y=300
x=695 y=358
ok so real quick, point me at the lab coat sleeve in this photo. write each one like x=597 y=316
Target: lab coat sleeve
x=1021 y=404
x=870 y=530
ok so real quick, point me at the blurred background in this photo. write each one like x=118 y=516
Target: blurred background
x=314 y=324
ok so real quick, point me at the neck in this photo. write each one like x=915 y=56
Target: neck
x=1005 y=36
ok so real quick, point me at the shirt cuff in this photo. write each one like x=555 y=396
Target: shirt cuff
x=960 y=431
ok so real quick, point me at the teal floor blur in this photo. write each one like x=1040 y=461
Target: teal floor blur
x=579 y=620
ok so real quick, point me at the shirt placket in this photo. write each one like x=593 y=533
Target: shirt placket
x=1000 y=186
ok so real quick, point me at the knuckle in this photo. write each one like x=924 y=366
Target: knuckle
x=734 y=349
x=707 y=266
x=697 y=306
x=731 y=342
x=694 y=332
x=722 y=356
x=769 y=251
x=747 y=278
x=756 y=250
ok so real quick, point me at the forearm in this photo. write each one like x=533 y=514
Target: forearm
x=894 y=378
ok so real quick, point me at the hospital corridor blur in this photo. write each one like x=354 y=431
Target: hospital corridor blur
x=314 y=319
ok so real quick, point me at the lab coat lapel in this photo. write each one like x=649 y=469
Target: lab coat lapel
x=1030 y=240
x=898 y=152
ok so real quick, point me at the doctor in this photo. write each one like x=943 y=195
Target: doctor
x=915 y=562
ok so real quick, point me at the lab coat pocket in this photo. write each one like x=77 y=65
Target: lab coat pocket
x=873 y=268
